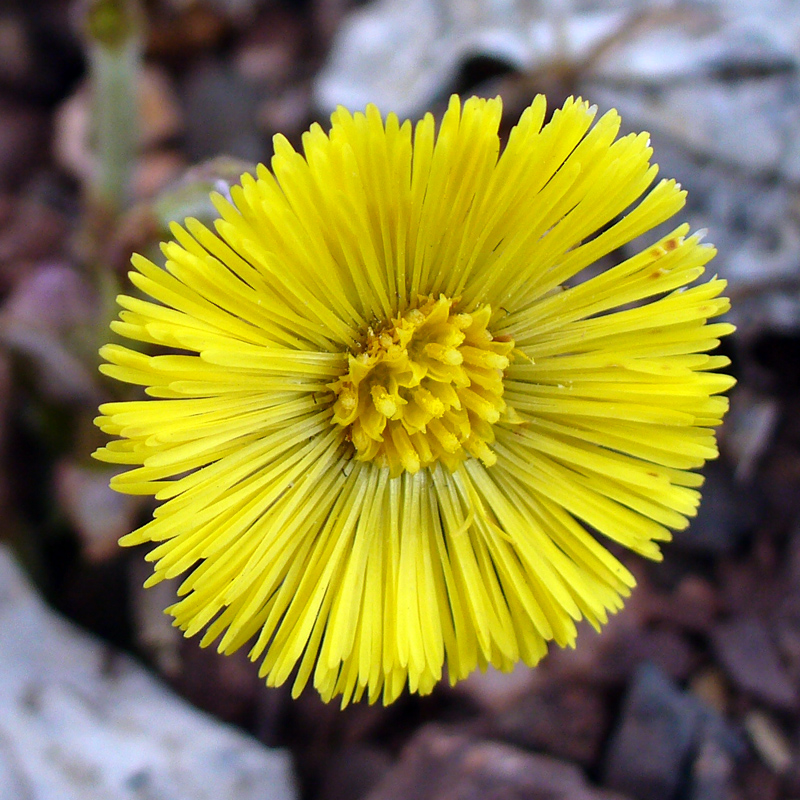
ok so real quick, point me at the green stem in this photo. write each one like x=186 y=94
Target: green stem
x=114 y=29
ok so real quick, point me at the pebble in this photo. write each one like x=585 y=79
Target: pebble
x=439 y=764
x=97 y=514
x=353 y=771
x=692 y=606
x=30 y=232
x=221 y=111
x=750 y=425
x=46 y=320
x=651 y=748
x=155 y=172
x=724 y=519
x=565 y=720
x=713 y=773
x=494 y=691
x=710 y=687
x=268 y=52
x=769 y=741
x=287 y=112
x=24 y=134
x=751 y=660
x=40 y=54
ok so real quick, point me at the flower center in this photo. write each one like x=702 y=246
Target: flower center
x=426 y=387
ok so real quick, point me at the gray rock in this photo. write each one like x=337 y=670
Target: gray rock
x=221 y=110
x=23 y=141
x=79 y=721
x=651 y=749
x=565 y=720
x=442 y=765
x=751 y=659
x=712 y=772
x=724 y=518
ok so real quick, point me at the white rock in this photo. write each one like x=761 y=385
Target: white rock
x=79 y=721
x=714 y=82
x=402 y=54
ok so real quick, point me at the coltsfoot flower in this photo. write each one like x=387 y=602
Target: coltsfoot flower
x=388 y=436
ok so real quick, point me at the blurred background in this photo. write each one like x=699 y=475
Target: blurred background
x=116 y=118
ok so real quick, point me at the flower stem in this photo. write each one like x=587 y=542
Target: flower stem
x=114 y=31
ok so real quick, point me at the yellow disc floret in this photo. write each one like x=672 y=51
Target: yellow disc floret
x=426 y=387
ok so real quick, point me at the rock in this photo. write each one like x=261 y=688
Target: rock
x=352 y=772
x=423 y=46
x=669 y=744
x=439 y=764
x=651 y=749
x=565 y=720
x=668 y=649
x=31 y=231
x=220 y=114
x=749 y=656
x=268 y=53
x=712 y=776
x=40 y=56
x=692 y=606
x=698 y=115
x=609 y=658
x=724 y=518
x=155 y=635
x=224 y=686
x=155 y=172
x=98 y=515
x=286 y=112
x=48 y=321
x=718 y=751
x=714 y=83
x=82 y=722
x=750 y=213
x=494 y=691
x=753 y=586
x=768 y=741
x=710 y=687
x=24 y=133
x=750 y=426
x=759 y=783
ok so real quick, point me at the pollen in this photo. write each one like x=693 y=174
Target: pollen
x=426 y=387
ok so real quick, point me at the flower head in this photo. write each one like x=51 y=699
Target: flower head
x=388 y=436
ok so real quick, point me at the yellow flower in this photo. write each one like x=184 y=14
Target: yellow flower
x=392 y=432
